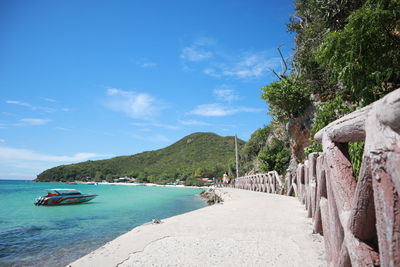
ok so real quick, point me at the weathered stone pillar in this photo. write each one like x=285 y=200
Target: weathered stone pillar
x=382 y=147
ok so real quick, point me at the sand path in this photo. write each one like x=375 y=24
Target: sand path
x=248 y=229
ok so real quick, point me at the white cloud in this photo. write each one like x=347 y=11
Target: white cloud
x=148 y=65
x=24 y=104
x=154 y=124
x=62 y=129
x=205 y=41
x=211 y=72
x=249 y=66
x=49 y=99
x=213 y=110
x=145 y=129
x=2 y=140
x=158 y=138
x=195 y=122
x=33 y=122
x=8 y=153
x=244 y=109
x=225 y=94
x=195 y=53
x=214 y=61
x=132 y=104
x=20 y=103
x=219 y=110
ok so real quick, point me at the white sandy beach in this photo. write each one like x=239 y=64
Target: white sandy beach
x=248 y=229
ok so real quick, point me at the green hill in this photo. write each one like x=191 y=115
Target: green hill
x=196 y=155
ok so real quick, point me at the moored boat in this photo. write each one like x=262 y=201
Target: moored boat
x=63 y=197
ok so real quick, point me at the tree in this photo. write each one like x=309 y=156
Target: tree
x=287 y=98
x=99 y=176
x=364 y=56
x=311 y=21
x=275 y=156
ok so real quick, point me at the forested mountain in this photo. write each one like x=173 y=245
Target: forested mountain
x=196 y=155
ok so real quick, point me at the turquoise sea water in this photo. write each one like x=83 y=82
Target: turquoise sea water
x=54 y=236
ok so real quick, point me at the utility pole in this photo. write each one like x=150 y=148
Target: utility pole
x=237 y=157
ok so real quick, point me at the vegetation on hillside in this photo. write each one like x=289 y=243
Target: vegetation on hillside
x=347 y=55
x=267 y=150
x=196 y=155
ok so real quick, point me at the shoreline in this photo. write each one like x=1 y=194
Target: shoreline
x=249 y=228
x=128 y=184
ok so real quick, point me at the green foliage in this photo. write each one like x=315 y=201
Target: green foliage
x=256 y=142
x=329 y=111
x=314 y=147
x=275 y=156
x=287 y=98
x=200 y=154
x=193 y=182
x=365 y=55
x=311 y=21
x=347 y=55
x=259 y=140
x=356 y=151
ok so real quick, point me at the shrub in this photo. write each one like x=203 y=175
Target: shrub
x=287 y=98
x=275 y=156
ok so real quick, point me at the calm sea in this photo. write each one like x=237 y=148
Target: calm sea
x=54 y=236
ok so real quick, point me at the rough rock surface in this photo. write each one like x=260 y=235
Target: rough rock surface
x=299 y=130
x=211 y=196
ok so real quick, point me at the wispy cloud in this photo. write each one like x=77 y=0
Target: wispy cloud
x=212 y=110
x=214 y=61
x=195 y=122
x=145 y=63
x=62 y=129
x=9 y=153
x=223 y=93
x=199 y=50
x=20 y=103
x=154 y=124
x=148 y=65
x=132 y=104
x=33 y=122
x=212 y=72
x=195 y=53
x=250 y=65
x=27 y=105
x=158 y=138
x=2 y=140
x=49 y=99
x=219 y=110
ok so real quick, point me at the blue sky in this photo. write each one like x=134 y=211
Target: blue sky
x=86 y=80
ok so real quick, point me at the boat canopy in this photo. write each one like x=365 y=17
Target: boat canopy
x=62 y=191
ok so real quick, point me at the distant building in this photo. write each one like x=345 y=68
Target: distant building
x=125 y=179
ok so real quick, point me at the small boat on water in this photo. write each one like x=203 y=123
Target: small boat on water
x=63 y=197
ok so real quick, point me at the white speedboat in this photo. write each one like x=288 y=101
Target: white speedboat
x=63 y=197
